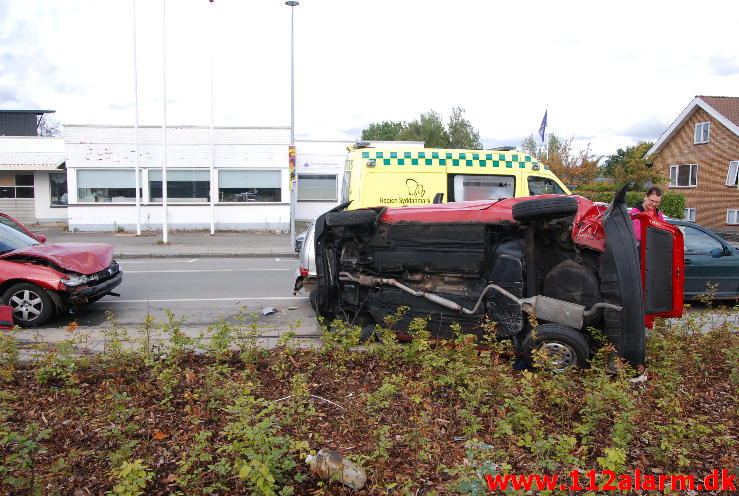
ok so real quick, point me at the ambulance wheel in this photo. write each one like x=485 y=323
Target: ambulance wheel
x=544 y=208
x=562 y=347
x=351 y=218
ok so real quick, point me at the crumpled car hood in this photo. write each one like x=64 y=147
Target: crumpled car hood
x=84 y=258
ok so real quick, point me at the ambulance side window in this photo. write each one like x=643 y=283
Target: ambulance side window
x=470 y=187
x=345 y=186
x=544 y=186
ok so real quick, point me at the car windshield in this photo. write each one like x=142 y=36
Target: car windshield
x=10 y=239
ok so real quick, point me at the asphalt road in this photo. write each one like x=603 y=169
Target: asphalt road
x=197 y=291
x=202 y=291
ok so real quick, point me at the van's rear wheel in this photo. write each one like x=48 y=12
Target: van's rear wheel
x=544 y=208
x=351 y=218
x=562 y=347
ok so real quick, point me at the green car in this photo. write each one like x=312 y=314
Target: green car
x=711 y=263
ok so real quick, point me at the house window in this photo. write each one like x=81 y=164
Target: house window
x=249 y=186
x=58 y=187
x=317 y=187
x=682 y=176
x=689 y=214
x=732 y=177
x=106 y=185
x=732 y=216
x=702 y=130
x=16 y=185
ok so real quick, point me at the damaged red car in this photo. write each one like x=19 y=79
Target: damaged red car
x=38 y=280
x=570 y=264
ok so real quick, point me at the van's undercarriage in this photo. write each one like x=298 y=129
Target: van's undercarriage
x=513 y=272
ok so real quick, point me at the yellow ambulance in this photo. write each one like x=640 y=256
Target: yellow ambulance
x=419 y=176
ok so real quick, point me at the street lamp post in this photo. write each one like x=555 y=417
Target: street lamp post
x=293 y=180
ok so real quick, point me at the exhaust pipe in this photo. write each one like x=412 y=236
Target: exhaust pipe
x=539 y=306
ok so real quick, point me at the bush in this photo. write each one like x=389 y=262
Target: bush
x=673 y=204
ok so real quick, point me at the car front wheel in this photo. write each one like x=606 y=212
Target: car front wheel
x=560 y=346
x=32 y=306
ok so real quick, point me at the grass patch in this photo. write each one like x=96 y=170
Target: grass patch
x=224 y=416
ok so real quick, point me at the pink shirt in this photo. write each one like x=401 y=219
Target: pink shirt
x=637 y=223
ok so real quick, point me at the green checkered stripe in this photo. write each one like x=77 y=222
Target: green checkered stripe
x=453 y=159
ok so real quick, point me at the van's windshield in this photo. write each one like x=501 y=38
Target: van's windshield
x=544 y=186
x=346 y=181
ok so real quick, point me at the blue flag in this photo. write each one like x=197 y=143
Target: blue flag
x=543 y=126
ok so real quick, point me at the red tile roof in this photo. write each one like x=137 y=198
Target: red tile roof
x=728 y=106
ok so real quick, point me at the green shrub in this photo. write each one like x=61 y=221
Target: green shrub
x=673 y=204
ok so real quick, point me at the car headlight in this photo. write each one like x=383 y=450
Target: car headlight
x=75 y=280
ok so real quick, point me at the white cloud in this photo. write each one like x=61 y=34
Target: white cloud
x=612 y=73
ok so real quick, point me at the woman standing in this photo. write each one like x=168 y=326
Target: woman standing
x=649 y=206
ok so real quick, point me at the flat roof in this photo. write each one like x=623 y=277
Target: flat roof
x=37 y=112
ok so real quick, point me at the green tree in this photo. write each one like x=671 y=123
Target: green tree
x=383 y=131
x=630 y=164
x=623 y=156
x=530 y=145
x=461 y=132
x=429 y=128
x=570 y=165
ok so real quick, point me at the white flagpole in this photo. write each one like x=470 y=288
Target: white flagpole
x=136 y=125
x=212 y=148
x=164 y=122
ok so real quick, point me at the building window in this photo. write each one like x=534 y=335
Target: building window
x=183 y=186
x=16 y=185
x=106 y=185
x=702 y=130
x=732 y=216
x=732 y=177
x=689 y=214
x=317 y=187
x=58 y=186
x=249 y=186
x=683 y=176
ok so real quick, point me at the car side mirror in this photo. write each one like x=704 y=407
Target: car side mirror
x=41 y=238
x=718 y=252
x=439 y=197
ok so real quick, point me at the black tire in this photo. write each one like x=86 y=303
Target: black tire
x=567 y=346
x=351 y=218
x=544 y=208
x=32 y=306
x=312 y=299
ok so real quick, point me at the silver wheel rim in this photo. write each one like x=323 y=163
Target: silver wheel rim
x=27 y=305
x=559 y=355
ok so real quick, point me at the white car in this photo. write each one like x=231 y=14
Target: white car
x=305 y=274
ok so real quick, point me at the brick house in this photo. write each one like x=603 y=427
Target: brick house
x=699 y=152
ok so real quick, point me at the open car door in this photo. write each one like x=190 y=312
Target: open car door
x=662 y=268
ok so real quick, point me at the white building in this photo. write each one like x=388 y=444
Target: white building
x=32 y=178
x=249 y=182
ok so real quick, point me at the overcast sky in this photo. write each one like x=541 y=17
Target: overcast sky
x=610 y=73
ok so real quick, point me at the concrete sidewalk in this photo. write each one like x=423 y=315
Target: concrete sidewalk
x=181 y=244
